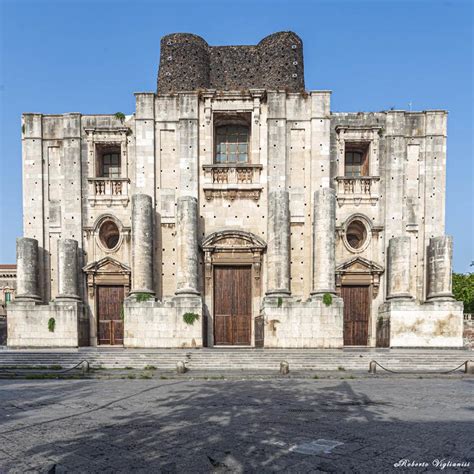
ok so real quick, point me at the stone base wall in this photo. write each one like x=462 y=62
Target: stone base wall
x=27 y=324
x=161 y=324
x=431 y=324
x=290 y=323
x=468 y=334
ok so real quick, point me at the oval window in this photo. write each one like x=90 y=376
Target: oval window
x=356 y=234
x=109 y=234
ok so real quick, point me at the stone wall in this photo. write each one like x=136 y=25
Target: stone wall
x=188 y=63
x=28 y=325
x=432 y=324
x=161 y=324
x=468 y=329
x=289 y=322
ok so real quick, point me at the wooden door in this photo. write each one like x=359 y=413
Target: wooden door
x=109 y=309
x=356 y=315
x=232 y=305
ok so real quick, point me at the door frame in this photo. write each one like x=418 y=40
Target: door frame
x=104 y=272
x=231 y=247
x=369 y=313
x=98 y=318
x=237 y=265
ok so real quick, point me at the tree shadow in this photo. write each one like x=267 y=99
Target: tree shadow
x=220 y=426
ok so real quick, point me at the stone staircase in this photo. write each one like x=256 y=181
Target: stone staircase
x=241 y=359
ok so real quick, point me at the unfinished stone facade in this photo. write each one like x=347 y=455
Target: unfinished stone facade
x=234 y=208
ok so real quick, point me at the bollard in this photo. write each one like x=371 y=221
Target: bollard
x=372 y=367
x=284 y=367
x=180 y=367
x=469 y=367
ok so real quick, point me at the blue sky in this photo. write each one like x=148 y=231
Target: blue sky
x=90 y=56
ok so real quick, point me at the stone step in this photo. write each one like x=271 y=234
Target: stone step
x=241 y=359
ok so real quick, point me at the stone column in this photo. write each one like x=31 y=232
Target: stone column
x=142 y=244
x=187 y=243
x=27 y=270
x=324 y=229
x=440 y=254
x=398 y=262
x=67 y=270
x=278 y=243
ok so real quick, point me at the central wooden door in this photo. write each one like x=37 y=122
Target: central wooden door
x=109 y=309
x=232 y=305
x=356 y=315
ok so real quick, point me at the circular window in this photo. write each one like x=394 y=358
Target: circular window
x=356 y=234
x=109 y=234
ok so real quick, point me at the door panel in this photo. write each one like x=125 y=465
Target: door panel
x=232 y=305
x=356 y=315
x=109 y=308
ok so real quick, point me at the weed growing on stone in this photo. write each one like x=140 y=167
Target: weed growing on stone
x=149 y=367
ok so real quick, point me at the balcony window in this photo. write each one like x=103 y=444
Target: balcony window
x=109 y=166
x=232 y=144
x=356 y=160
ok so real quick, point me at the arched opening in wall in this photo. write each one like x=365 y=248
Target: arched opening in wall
x=109 y=234
x=356 y=234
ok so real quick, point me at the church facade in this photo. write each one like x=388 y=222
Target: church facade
x=233 y=208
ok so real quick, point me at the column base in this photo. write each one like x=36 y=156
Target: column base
x=331 y=291
x=28 y=299
x=187 y=291
x=136 y=292
x=440 y=297
x=61 y=298
x=400 y=297
x=278 y=293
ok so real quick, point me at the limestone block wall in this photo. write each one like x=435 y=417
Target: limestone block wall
x=59 y=158
x=407 y=157
x=432 y=324
x=161 y=324
x=294 y=323
x=28 y=325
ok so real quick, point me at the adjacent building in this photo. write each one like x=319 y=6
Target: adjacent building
x=235 y=208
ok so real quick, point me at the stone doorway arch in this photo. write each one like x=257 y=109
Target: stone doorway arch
x=229 y=249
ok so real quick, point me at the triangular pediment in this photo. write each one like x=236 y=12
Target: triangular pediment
x=106 y=265
x=359 y=265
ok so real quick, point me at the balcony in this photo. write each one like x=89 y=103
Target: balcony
x=231 y=181
x=108 y=191
x=357 y=190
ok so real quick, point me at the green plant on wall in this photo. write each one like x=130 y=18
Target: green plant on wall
x=189 y=318
x=327 y=299
x=279 y=301
x=51 y=324
x=122 y=313
x=120 y=116
x=142 y=297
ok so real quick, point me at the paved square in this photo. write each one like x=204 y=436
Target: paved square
x=235 y=426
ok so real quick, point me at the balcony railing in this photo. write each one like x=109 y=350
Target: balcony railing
x=357 y=189
x=232 y=180
x=108 y=190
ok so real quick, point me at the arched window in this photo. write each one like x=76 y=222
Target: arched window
x=232 y=144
